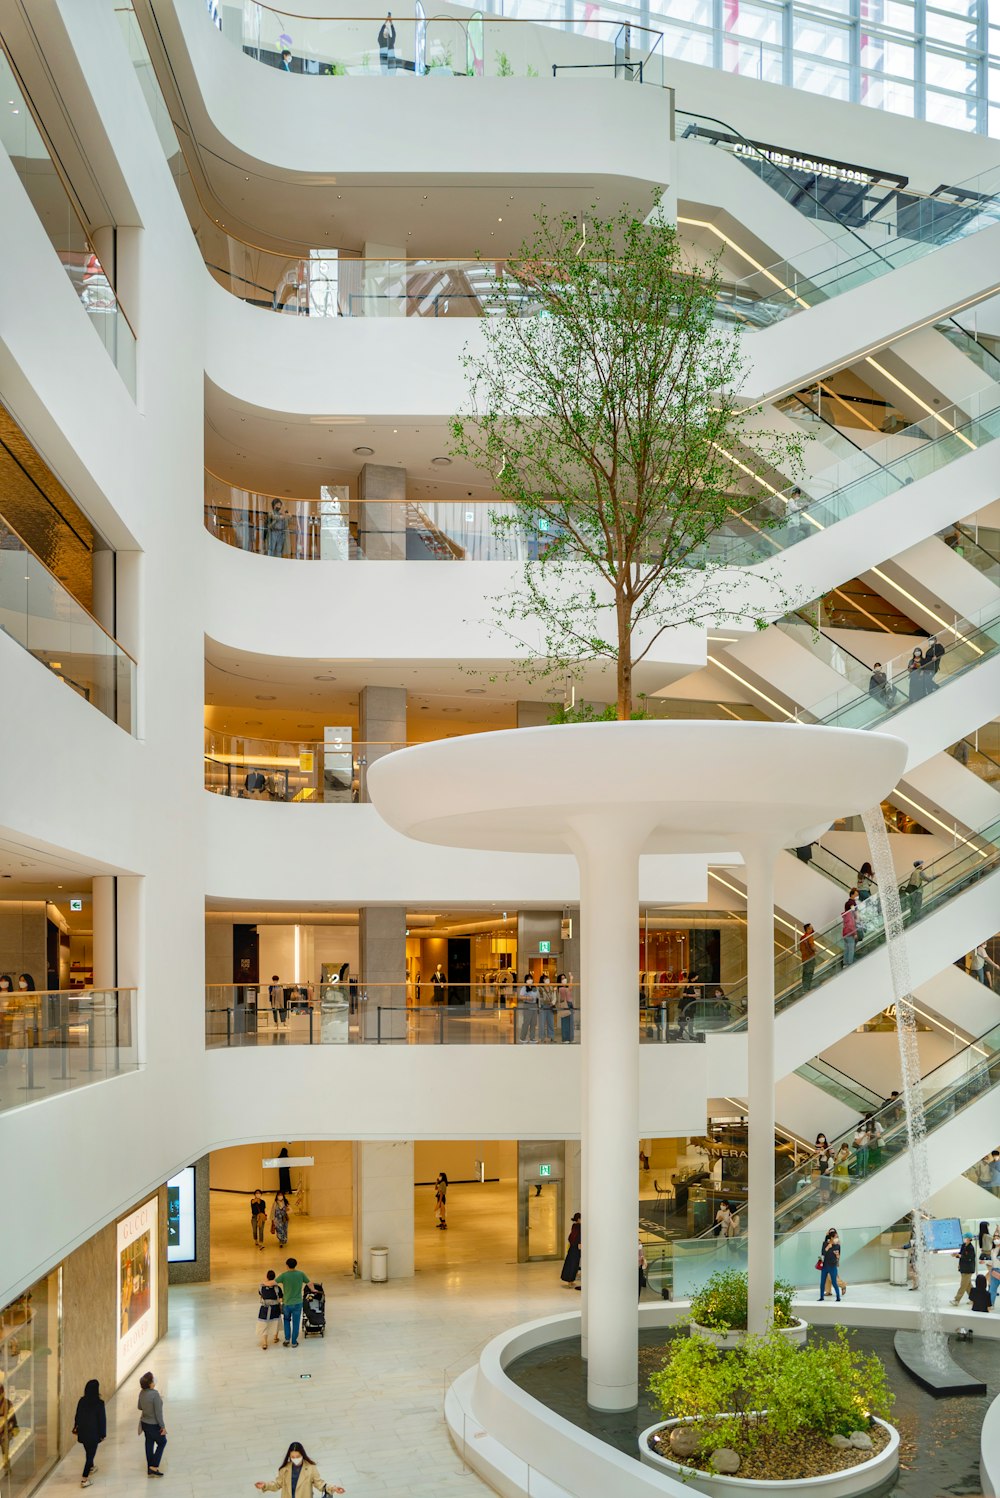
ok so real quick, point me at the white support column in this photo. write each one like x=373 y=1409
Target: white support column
x=105 y=926
x=383 y=1205
x=607 y=850
x=760 y=1090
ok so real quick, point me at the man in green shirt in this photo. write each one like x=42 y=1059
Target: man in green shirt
x=292 y=1282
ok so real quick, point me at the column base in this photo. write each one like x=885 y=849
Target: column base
x=612 y=1398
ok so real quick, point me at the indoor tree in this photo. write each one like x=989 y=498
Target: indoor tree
x=604 y=403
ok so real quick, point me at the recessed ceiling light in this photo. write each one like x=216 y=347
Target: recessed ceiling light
x=475 y=691
x=324 y=678
x=363 y=452
x=303 y=725
x=263 y=697
x=441 y=462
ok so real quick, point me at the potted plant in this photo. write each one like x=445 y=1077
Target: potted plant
x=719 y=1310
x=773 y=1417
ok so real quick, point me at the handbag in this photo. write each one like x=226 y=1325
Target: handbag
x=273 y=1228
x=819 y=1263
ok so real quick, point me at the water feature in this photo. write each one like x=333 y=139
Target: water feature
x=932 y=1329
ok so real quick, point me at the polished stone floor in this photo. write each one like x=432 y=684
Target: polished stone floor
x=366 y=1400
x=939 y=1439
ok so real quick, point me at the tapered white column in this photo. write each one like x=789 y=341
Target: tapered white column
x=607 y=850
x=760 y=1090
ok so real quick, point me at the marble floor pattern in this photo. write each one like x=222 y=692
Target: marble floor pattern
x=370 y=1410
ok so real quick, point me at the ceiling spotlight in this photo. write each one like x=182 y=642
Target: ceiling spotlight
x=324 y=678
x=363 y=452
x=263 y=697
x=475 y=691
x=441 y=462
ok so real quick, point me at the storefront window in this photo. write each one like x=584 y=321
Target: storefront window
x=29 y=1387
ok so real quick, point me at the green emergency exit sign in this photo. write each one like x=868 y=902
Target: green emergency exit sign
x=545 y=1170
x=544 y=948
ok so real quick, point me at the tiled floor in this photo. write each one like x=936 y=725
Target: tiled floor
x=369 y=1411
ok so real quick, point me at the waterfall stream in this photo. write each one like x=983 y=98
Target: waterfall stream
x=932 y=1328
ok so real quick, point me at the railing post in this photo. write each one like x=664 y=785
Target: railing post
x=554 y=65
x=229 y=1026
x=378 y=1024
x=441 y=1026
x=64 y=1041
x=310 y=1025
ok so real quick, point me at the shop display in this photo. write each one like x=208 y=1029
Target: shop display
x=29 y=1381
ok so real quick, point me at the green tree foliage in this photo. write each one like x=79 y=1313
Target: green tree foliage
x=768 y=1390
x=611 y=425
x=721 y=1303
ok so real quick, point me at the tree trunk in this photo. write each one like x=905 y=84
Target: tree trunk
x=624 y=662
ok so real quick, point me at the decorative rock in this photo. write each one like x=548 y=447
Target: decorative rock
x=684 y=1440
x=842 y=1443
x=861 y=1441
x=725 y=1461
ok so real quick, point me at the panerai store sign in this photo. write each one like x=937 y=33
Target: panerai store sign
x=137 y=1253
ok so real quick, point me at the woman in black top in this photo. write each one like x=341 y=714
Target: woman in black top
x=269 y=1315
x=979 y=1295
x=258 y=1217
x=90 y=1426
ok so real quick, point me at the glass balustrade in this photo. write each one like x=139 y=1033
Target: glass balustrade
x=42 y=182
x=963 y=541
x=44 y=618
x=56 y=1041
x=910 y=677
x=416 y=1012
x=946 y=1092
x=942 y=879
x=442 y=46
x=837 y=1084
x=847 y=488
x=333 y=528
x=298 y=771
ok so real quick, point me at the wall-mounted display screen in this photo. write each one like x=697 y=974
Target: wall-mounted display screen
x=942 y=1234
x=181 y=1241
x=136 y=1250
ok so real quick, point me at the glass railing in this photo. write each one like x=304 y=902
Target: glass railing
x=974 y=757
x=56 y=1041
x=42 y=182
x=946 y=1092
x=688 y=1263
x=845 y=261
x=963 y=542
x=475 y=46
x=46 y=620
x=943 y=657
x=980 y=352
x=423 y=1011
x=786 y=518
x=303 y=771
x=941 y=881
x=332 y=528
x=803 y=408
x=835 y=868
x=837 y=1084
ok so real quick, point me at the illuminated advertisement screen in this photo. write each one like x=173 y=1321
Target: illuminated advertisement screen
x=180 y=1217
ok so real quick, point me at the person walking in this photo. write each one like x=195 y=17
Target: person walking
x=279 y=1218
x=866 y=879
x=258 y=1218
x=985 y=1240
x=298 y=1476
x=571 y=1263
x=643 y=1266
x=441 y=1200
x=90 y=1426
x=980 y=963
x=292 y=1281
x=807 y=955
x=527 y=1003
x=151 y=1426
x=849 y=932
x=564 y=1008
x=829 y=1260
x=387 y=45
x=276 y=999
x=966 y=1257
x=862 y=1143
x=269 y=1312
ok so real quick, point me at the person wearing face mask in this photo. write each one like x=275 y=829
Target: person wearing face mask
x=298 y=1476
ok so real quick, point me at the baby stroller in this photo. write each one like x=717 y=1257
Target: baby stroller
x=314 y=1313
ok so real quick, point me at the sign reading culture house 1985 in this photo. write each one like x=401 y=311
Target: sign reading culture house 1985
x=136 y=1261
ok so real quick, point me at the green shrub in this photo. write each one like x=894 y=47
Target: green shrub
x=721 y=1303
x=504 y=69
x=767 y=1390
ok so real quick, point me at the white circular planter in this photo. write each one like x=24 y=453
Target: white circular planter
x=796 y=1334
x=866 y=1477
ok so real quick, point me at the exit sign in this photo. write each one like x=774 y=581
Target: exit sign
x=545 y=1170
x=544 y=948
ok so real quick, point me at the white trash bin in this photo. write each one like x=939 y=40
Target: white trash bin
x=897 y=1266
x=380 y=1265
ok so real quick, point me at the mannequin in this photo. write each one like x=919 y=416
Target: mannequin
x=439 y=984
